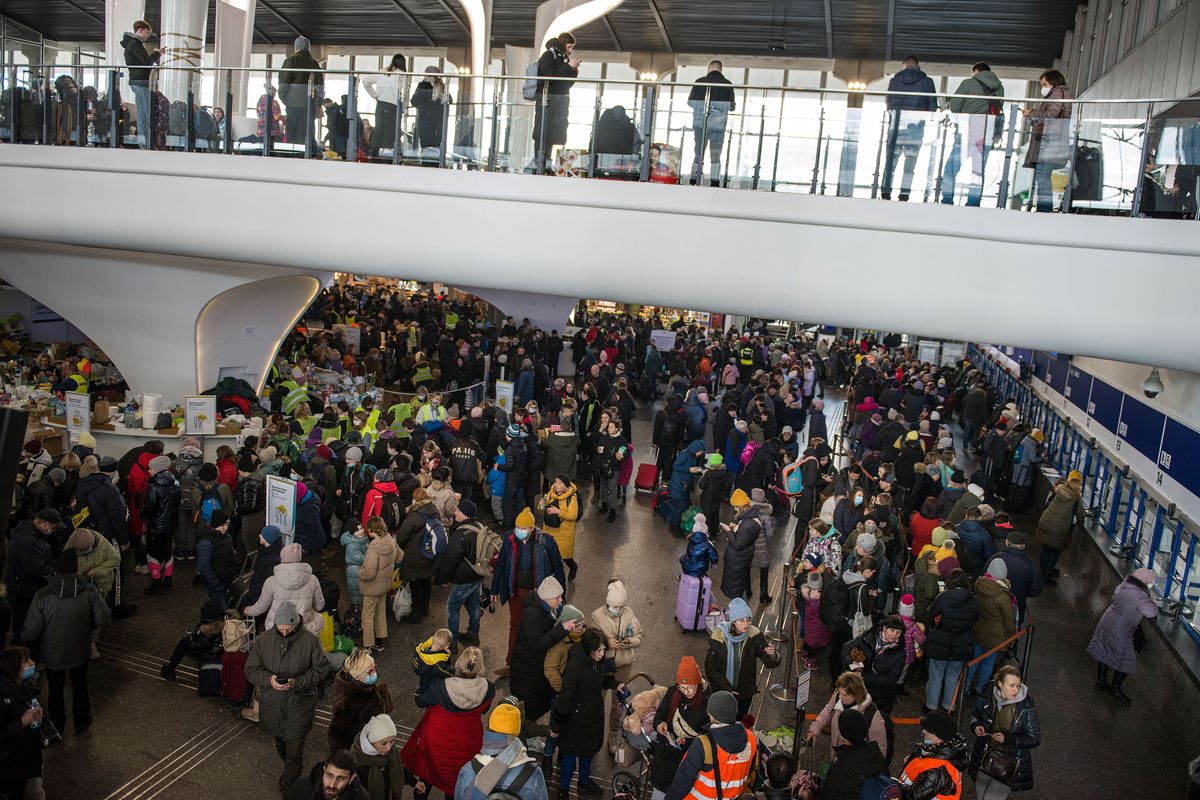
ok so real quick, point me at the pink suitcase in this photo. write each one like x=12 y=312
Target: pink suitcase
x=692 y=602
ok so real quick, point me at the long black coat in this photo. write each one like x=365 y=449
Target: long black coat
x=579 y=715
x=536 y=634
x=952 y=616
x=739 y=553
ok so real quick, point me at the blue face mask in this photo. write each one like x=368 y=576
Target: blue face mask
x=28 y=673
x=522 y=533
x=858 y=501
x=371 y=679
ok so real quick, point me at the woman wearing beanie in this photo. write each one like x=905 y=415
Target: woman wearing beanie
x=681 y=717
x=922 y=524
x=292 y=581
x=733 y=649
x=375 y=753
x=1005 y=719
x=560 y=510
x=1056 y=523
x=1112 y=642
x=996 y=623
x=356 y=697
x=914 y=639
x=160 y=516
x=450 y=732
x=700 y=553
x=816 y=634
x=849 y=692
x=416 y=569
x=578 y=718
x=739 y=552
x=622 y=634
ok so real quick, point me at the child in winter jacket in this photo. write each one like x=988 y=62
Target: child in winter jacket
x=914 y=634
x=700 y=553
x=431 y=660
x=815 y=634
x=496 y=480
x=355 y=541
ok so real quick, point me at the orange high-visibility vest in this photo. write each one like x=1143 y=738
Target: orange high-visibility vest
x=735 y=771
x=914 y=768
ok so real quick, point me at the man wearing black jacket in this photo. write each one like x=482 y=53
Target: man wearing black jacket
x=456 y=567
x=293 y=90
x=139 y=59
x=109 y=516
x=878 y=656
x=711 y=100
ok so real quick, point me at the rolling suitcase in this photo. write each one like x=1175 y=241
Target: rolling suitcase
x=692 y=602
x=646 y=474
x=233 y=676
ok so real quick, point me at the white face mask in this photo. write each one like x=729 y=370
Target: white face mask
x=1046 y=91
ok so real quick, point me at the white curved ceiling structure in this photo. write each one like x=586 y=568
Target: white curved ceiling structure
x=1113 y=288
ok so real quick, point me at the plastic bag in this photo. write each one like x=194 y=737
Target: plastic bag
x=402 y=602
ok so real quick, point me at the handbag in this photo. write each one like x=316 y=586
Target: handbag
x=999 y=765
x=1139 y=638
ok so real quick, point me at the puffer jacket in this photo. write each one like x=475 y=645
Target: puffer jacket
x=445 y=500
x=160 y=508
x=699 y=556
x=762 y=544
x=739 y=552
x=354 y=550
x=996 y=618
x=952 y=618
x=1024 y=734
x=296 y=583
x=109 y=514
x=562 y=449
x=567 y=504
x=375 y=574
x=61 y=620
x=186 y=469
x=1064 y=512
x=746 y=674
x=416 y=566
x=101 y=558
x=978 y=84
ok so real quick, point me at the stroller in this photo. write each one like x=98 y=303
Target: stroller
x=632 y=780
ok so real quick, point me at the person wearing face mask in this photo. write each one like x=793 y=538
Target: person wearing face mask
x=21 y=745
x=849 y=512
x=878 y=656
x=1049 y=147
x=1005 y=719
x=527 y=557
x=934 y=769
x=356 y=697
x=622 y=632
x=287 y=665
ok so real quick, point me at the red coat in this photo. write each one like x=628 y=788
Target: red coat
x=920 y=532
x=227 y=473
x=443 y=741
x=139 y=481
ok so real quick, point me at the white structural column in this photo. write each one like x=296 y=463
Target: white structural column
x=172 y=325
x=182 y=38
x=479 y=17
x=547 y=311
x=119 y=16
x=234 y=40
x=556 y=16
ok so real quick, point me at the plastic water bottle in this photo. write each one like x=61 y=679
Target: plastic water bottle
x=34 y=704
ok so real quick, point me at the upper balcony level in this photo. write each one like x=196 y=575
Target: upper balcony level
x=1115 y=157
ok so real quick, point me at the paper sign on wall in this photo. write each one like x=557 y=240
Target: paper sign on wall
x=79 y=412
x=663 y=340
x=281 y=505
x=200 y=414
x=504 y=396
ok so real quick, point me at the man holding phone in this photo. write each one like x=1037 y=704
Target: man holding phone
x=139 y=59
x=287 y=665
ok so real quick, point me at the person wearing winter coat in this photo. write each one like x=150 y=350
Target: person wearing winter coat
x=935 y=768
x=417 y=570
x=21 y=741
x=925 y=586
x=62 y=621
x=538 y=631
x=522 y=777
x=1050 y=145
x=822 y=547
x=948 y=498
x=186 y=469
x=733 y=649
x=377 y=759
x=287 y=666
x=907 y=130
x=29 y=562
x=1112 y=642
x=527 y=557
x=215 y=560
x=561 y=447
x=980 y=126
x=1004 y=718
x=845 y=597
x=700 y=554
x=577 y=722
x=950 y=639
x=996 y=623
x=763 y=467
x=849 y=692
x=667 y=434
x=735 y=445
x=739 y=551
x=878 y=656
x=107 y=515
x=354 y=550
x=560 y=511
x=291 y=582
x=1056 y=524
x=849 y=512
x=715 y=484
x=969 y=499
x=270 y=555
x=98 y=558
x=310 y=530
x=160 y=503
x=974 y=539
x=855 y=760
x=679 y=488
x=681 y=716
x=695 y=409
x=335 y=778
x=357 y=695
x=1023 y=576
x=450 y=731
x=921 y=525
x=443 y=496
x=622 y=633
x=375 y=581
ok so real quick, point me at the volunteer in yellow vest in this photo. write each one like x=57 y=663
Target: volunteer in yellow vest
x=936 y=767
x=297 y=392
x=432 y=411
x=728 y=750
x=397 y=414
x=368 y=406
x=305 y=419
x=76 y=382
x=422 y=374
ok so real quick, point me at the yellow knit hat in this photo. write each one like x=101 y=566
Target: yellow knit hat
x=506 y=719
x=525 y=519
x=1075 y=476
x=739 y=499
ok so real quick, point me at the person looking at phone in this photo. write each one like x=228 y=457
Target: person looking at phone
x=553 y=96
x=287 y=665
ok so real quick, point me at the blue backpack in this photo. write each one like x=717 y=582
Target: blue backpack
x=210 y=501
x=433 y=540
x=880 y=787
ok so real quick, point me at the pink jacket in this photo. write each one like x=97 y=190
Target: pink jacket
x=914 y=639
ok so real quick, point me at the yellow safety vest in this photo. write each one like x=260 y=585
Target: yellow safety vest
x=296 y=395
x=422 y=373
x=307 y=424
x=372 y=418
x=399 y=413
x=81 y=384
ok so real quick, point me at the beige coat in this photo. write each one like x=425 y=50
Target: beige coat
x=622 y=633
x=444 y=500
x=375 y=574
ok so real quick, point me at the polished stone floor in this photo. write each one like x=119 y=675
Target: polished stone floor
x=154 y=739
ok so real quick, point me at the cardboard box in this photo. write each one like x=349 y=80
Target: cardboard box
x=52 y=439
x=228 y=428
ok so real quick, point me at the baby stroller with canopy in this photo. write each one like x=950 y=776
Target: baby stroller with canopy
x=632 y=779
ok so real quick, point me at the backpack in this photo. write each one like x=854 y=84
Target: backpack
x=529 y=89
x=994 y=108
x=748 y=452
x=433 y=540
x=510 y=792
x=392 y=513
x=177 y=118
x=210 y=501
x=487 y=551
x=880 y=787
x=251 y=496
x=204 y=124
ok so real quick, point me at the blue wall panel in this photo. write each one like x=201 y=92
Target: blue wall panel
x=1079 y=384
x=1105 y=404
x=1057 y=373
x=1180 y=457
x=1041 y=365
x=1141 y=426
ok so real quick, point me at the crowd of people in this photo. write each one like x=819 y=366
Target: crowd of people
x=907 y=569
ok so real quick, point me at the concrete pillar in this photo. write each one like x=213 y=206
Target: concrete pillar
x=119 y=16
x=234 y=40
x=184 y=32
x=173 y=326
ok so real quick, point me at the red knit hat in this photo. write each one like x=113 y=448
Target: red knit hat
x=688 y=673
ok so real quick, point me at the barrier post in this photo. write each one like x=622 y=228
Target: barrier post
x=1136 y=205
x=228 y=137
x=494 y=139
x=762 y=129
x=812 y=189
x=648 y=127
x=189 y=126
x=352 y=118
x=269 y=126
